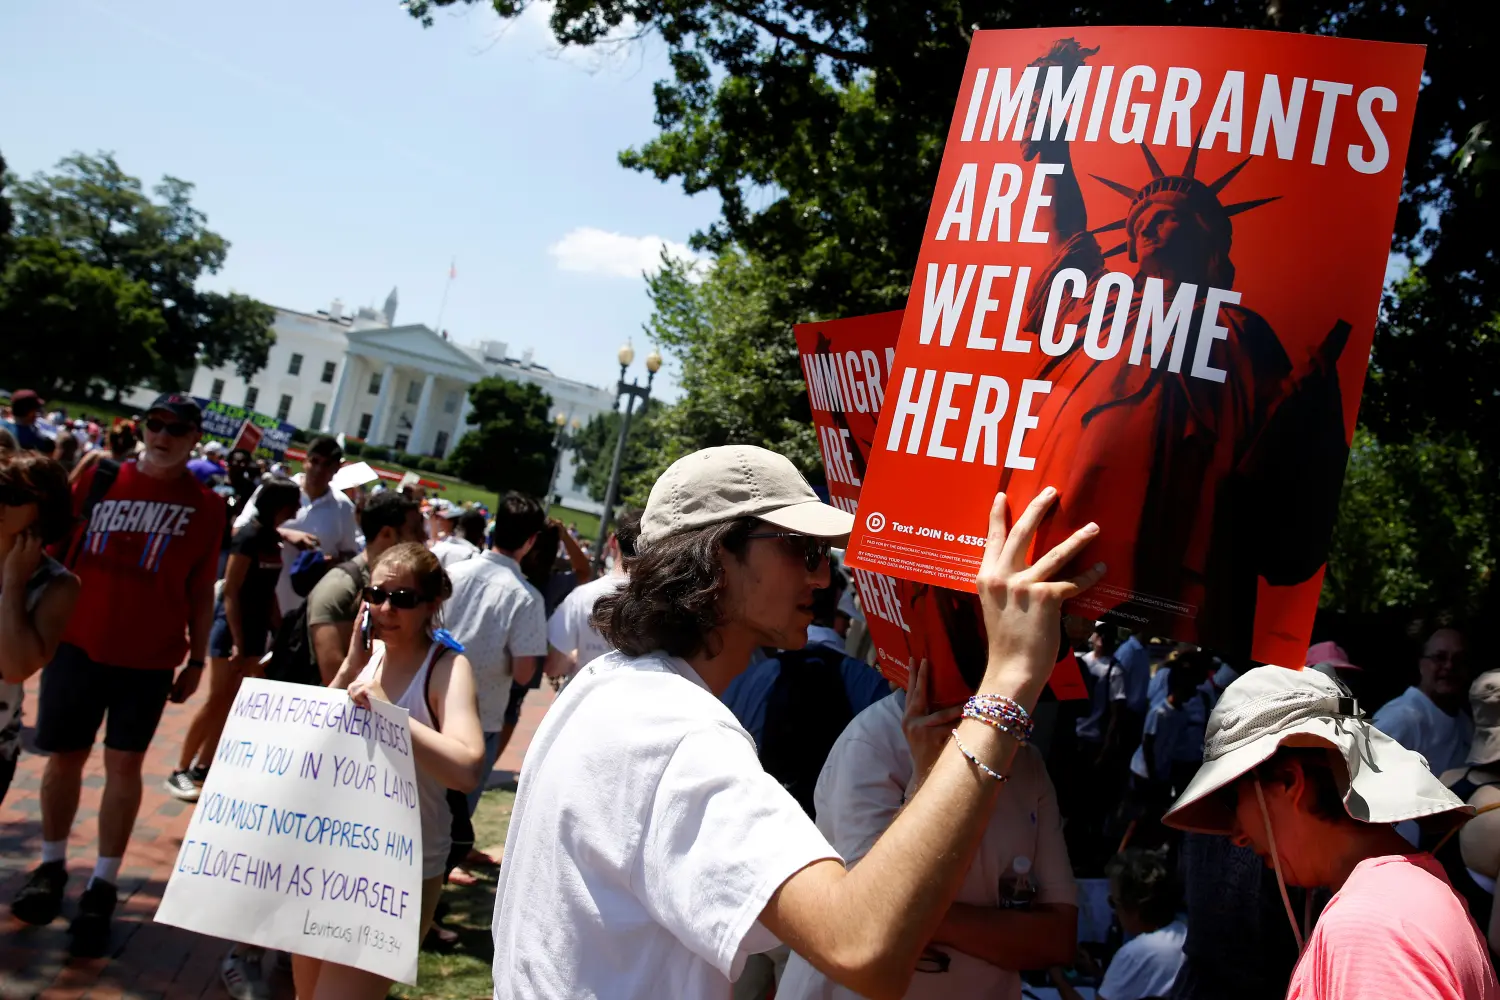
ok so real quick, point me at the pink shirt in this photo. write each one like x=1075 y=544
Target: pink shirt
x=1395 y=929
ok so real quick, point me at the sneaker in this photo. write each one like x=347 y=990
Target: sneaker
x=180 y=785
x=198 y=774
x=40 y=899
x=90 y=929
x=242 y=975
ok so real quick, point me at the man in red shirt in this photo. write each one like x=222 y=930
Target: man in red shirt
x=146 y=548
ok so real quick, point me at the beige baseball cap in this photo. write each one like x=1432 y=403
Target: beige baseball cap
x=738 y=480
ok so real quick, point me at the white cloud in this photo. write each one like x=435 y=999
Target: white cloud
x=596 y=251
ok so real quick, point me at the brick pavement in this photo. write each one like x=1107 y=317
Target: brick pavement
x=146 y=960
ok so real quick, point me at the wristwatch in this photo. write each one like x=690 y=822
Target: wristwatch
x=195 y=663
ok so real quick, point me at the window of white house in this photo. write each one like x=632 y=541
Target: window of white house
x=374 y=383
x=450 y=402
x=252 y=394
x=413 y=391
x=440 y=444
x=317 y=416
x=285 y=408
x=295 y=368
x=328 y=370
x=217 y=392
x=364 y=426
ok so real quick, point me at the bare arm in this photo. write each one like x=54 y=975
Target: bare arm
x=577 y=559
x=559 y=663
x=27 y=642
x=454 y=751
x=523 y=669
x=330 y=640
x=1042 y=936
x=235 y=571
x=865 y=927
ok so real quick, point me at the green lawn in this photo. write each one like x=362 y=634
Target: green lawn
x=462 y=971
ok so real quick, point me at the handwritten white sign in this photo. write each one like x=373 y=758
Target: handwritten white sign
x=307 y=836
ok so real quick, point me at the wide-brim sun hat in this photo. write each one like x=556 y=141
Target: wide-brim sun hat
x=1484 y=699
x=1271 y=707
x=735 y=481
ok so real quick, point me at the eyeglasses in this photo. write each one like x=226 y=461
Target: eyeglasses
x=405 y=600
x=177 y=430
x=1443 y=658
x=814 y=550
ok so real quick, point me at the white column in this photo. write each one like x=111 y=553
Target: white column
x=340 y=391
x=417 y=444
x=463 y=419
x=382 y=405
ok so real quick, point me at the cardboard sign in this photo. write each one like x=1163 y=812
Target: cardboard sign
x=230 y=425
x=1149 y=278
x=307 y=836
x=846 y=364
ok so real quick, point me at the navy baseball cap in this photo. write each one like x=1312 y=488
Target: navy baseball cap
x=180 y=405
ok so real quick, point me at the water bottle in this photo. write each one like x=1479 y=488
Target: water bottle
x=1017 y=887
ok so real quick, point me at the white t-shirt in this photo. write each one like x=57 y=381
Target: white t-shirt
x=330 y=517
x=454 y=549
x=497 y=616
x=1146 y=965
x=569 y=629
x=863 y=786
x=1414 y=721
x=645 y=842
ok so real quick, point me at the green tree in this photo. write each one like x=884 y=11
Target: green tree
x=90 y=206
x=79 y=322
x=509 y=446
x=594 y=451
x=7 y=218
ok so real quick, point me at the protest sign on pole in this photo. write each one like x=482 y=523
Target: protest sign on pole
x=307 y=836
x=1149 y=278
x=846 y=364
x=236 y=427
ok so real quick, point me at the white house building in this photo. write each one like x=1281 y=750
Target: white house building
x=405 y=387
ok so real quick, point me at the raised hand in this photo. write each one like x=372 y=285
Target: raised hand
x=926 y=732
x=24 y=557
x=1022 y=603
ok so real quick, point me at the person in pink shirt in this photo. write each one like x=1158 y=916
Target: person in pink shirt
x=1293 y=771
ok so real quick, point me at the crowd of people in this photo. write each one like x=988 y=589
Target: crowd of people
x=725 y=798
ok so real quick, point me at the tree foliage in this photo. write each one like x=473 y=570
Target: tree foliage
x=96 y=212
x=509 y=446
x=594 y=451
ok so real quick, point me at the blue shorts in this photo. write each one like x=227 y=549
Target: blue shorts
x=221 y=640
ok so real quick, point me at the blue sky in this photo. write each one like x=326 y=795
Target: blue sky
x=342 y=150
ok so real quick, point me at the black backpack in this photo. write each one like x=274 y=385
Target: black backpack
x=807 y=709
x=292 y=656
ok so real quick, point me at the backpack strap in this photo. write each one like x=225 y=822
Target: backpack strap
x=106 y=471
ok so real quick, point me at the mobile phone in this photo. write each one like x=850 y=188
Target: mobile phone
x=364 y=630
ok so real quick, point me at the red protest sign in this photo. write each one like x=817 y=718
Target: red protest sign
x=846 y=364
x=248 y=438
x=1149 y=277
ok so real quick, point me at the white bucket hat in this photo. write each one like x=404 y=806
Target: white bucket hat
x=738 y=480
x=1271 y=707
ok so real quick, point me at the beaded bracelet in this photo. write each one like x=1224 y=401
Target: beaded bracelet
x=976 y=761
x=1002 y=713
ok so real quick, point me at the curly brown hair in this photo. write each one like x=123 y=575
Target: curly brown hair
x=28 y=477
x=671 y=602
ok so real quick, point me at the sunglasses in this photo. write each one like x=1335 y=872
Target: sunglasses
x=177 y=430
x=814 y=550
x=404 y=600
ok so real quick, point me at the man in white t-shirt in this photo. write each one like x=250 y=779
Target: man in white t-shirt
x=326 y=520
x=465 y=538
x=1430 y=717
x=649 y=853
x=864 y=784
x=572 y=640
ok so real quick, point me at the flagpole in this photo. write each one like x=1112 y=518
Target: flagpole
x=443 y=307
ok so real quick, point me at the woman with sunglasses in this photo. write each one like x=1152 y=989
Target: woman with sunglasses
x=36 y=593
x=411 y=664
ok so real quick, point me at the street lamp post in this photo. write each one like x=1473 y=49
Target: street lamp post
x=633 y=391
x=561 y=441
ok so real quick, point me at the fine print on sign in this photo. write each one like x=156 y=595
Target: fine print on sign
x=1149 y=278
x=307 y=834
x=846 y=364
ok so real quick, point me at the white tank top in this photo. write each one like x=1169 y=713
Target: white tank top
x=432 y=797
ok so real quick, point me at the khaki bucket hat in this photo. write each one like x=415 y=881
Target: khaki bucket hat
x=1484 y=699
x=1271 y=707
x=738 y=480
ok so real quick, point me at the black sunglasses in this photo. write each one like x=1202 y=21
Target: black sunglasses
x=405 y=600
x=814 y=550
x=177 y=429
